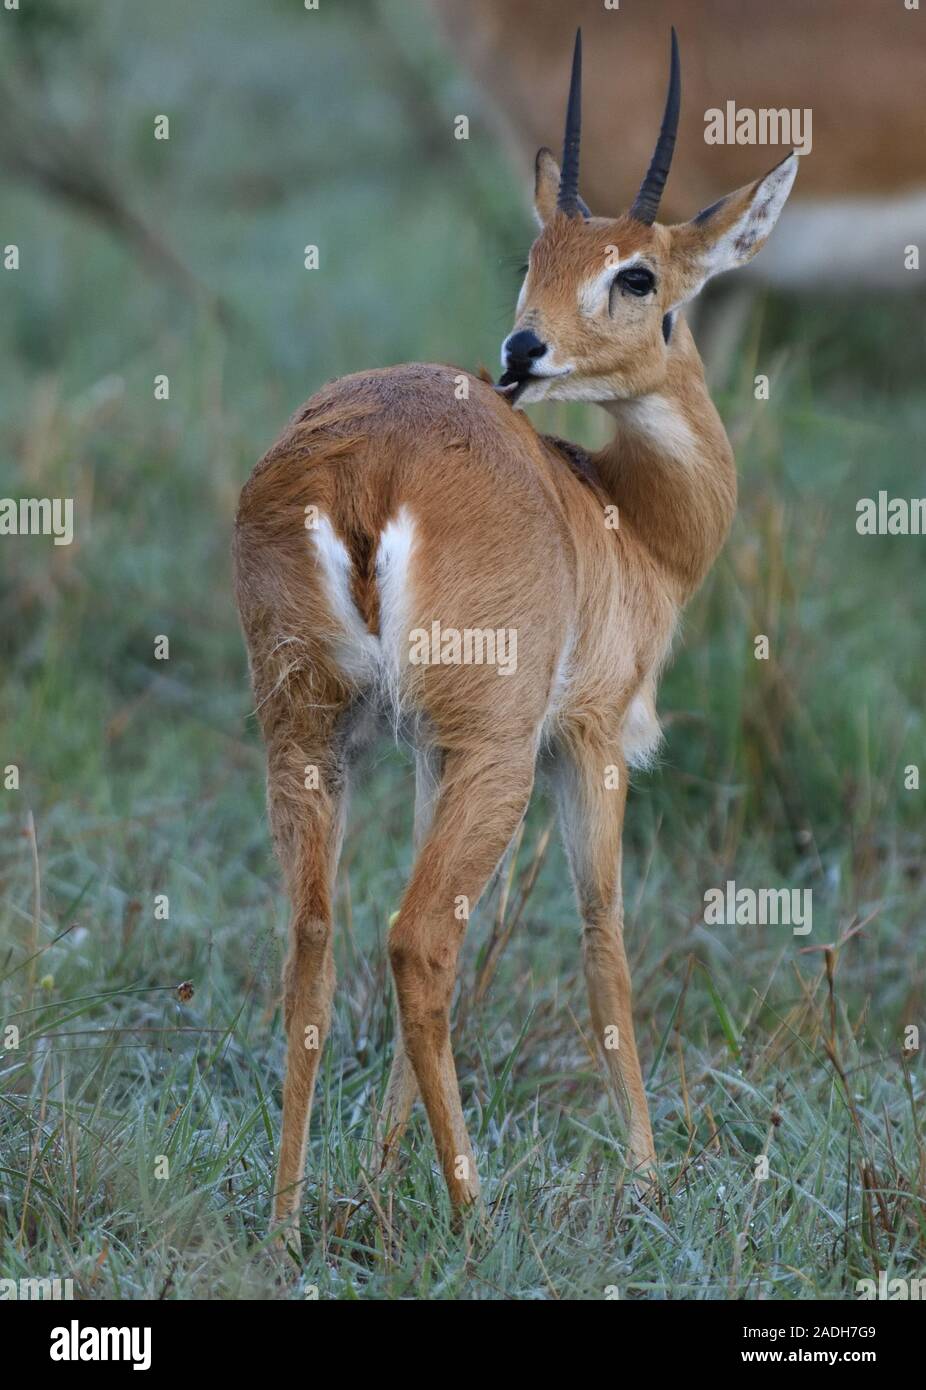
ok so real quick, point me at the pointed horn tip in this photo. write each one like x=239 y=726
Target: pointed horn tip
x=646 y=204
x=568 y=200
x=675 y=66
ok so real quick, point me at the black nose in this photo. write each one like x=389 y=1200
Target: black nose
x=521 y=349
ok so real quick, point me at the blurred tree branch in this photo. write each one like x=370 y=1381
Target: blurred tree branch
x=40 y=149
x=406 y=75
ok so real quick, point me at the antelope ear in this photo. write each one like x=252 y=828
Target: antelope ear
x=546 y=185
x=730 y=232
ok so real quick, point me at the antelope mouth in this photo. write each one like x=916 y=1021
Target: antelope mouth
x=512 y=384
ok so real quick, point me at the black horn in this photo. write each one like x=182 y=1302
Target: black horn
x=568 y=200
x=646 y=203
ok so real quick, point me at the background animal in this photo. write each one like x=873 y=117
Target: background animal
x=856 y=66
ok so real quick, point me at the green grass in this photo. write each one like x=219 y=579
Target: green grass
x=145 y=777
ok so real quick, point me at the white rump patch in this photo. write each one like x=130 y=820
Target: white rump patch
x=364 y=658
x=357 y=650
x=393 y=556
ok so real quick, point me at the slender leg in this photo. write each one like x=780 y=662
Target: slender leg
x=308 y=827
x=592 y=791
x=402 y=1087
x=480 y=804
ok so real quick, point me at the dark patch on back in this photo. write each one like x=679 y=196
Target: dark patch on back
x=579 y=462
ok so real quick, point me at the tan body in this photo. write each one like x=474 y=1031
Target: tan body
x=415 y=496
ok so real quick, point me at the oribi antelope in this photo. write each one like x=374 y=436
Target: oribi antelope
x=395 y=503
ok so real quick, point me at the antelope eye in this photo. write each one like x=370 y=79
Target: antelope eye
x=636 y=279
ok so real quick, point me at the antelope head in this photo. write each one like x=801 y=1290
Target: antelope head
x=596 y=311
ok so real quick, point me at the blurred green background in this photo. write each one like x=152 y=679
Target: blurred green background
x=185 y=257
